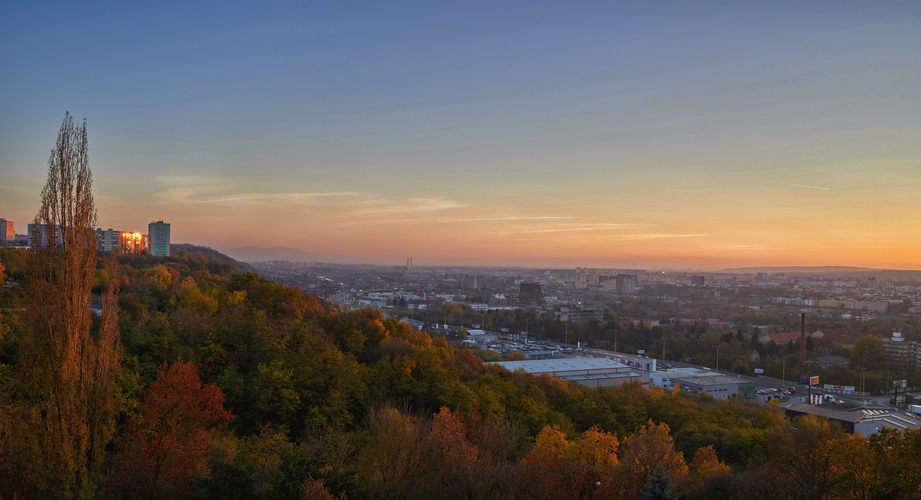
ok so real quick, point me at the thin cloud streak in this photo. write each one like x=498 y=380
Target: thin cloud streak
x=588 y=227
x=271 y=196
x=655 y=236
x=800 y=185
x=378 y=208
x=739 y=247
x=7 y=187
x=476 y=219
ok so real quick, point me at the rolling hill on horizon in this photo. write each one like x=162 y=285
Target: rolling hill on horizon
x=261 y=254
x=210 y=253
x=821 y=270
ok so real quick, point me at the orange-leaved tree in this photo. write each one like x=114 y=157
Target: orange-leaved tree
x=557 y=468
x=166 y=445
x=643 y=452
x=67 y=371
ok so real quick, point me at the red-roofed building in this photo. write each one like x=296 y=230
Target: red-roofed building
x=780 y=338
x=844 y=337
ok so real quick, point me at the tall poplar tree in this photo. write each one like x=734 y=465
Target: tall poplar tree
x=67 y=370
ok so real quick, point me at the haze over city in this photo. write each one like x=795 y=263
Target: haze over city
x=703 y=135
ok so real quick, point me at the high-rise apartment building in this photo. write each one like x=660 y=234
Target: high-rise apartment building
x=107 y=240
x=158 y=238
x=6 y=230
x=40 y=230
x=470 y=283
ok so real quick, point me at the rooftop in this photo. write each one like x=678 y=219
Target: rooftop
x=844 y=416
x=713 y=380
x=563 y=365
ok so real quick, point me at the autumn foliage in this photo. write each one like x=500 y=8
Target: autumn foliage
x=166 y=445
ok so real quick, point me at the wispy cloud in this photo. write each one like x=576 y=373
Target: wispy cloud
x=475 y=219
x=738 y=247
x=6 y=187
x=187 y=180
x=197 y=189
x=587 y=227
x=410 y=205
x=800 y=185
x=273 y=197
x=656 y=236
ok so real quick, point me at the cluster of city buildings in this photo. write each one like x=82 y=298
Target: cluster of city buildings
x=901 y=353
x=155 y=242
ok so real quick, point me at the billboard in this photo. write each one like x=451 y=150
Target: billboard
x=899 y=384
x=641 y=351
x=759 y=370
x=809 y=380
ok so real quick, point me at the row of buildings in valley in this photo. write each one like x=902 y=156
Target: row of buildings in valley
x=155 y=242
x=902 y=354
x=621 y=368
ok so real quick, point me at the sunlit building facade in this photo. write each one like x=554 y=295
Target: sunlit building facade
x=133 y=242
x=6 y=230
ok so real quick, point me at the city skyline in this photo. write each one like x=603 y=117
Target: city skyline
x=705 y=136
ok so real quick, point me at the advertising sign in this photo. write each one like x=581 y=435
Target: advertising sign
x=641 y=351
x=759 y=370
x=814 y=380
x=849 y=388
x=899 y=384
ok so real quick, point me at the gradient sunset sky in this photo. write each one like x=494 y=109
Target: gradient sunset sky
x=600 y=134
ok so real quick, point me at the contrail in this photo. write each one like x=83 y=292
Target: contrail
x=801 y=186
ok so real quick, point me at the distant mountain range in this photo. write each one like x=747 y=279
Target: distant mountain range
x=212 y=254
x=820 y=270
x=259 y=254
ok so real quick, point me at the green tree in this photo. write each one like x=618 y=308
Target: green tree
x=659 y=486
x=870 y=353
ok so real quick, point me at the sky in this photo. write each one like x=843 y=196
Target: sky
x=597 y=134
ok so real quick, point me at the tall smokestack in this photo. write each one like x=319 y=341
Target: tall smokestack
x=410 y=262
x=802 y=340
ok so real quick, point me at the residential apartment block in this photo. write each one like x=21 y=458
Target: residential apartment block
x=158 y=238
x=903 y=354
x=6 y=230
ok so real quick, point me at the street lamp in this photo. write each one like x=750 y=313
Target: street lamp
x=783 y=381
x=863 y=384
